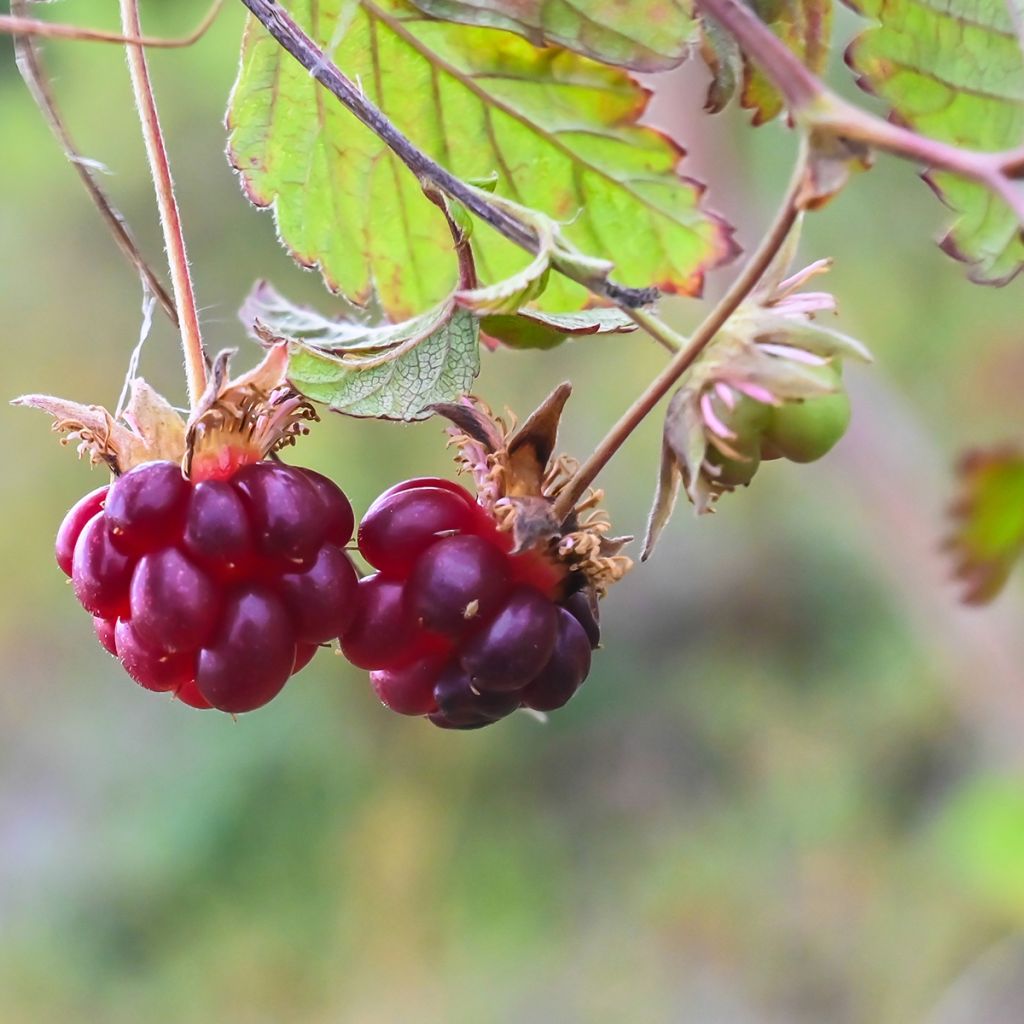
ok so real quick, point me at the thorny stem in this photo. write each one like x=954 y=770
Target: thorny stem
x=170 y=219
x=32 y=71
x=283 y=28
x=18 y=25
x=688 y=351
x=813 y=105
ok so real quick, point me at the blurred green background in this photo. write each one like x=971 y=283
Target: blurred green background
x=791 y=790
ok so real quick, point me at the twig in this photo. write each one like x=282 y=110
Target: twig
x=813 y=105
x=741 y=287
x=170 y=219
x=291 y=37
x=34 y=74
x=20 y=26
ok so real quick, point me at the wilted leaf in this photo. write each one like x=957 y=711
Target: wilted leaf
x=400 y=382
x=645 y=35
x=530 y=328
x=954 y=71
x=989 y=514
x=559 y=130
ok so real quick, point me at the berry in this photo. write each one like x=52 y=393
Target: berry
x=457 y=583
x=510 y=650
x=215 y=590
x=454 y=626
x=399 y=527
x=74 y=522
x=804 y=431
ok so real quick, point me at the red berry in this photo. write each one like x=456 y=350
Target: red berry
x=150 y=667
x=399 y=527
x=104 y=630
x=218 y=534
x=174 y=604
x=252 y=654
x=338 y=517
x=383 y=633
x=285 y=509
x=146 y=506
x=438 y=482
x=99 y=571
x=457 y=584
x=74 y=522
x=409 y=690
x=221 y=589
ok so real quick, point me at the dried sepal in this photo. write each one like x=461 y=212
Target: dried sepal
x=518 y=477
x=236 y=421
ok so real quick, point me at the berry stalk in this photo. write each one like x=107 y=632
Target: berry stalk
x=753 y=271
x=170 y=219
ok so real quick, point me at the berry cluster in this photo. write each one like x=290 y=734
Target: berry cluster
x=216 y=590
x=455 y=626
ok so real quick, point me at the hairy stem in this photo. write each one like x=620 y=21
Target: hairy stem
x=813 y=105
x=33 y=72
x=741 y=287
x=17 y=24
x=291 y=37
x=170 y=219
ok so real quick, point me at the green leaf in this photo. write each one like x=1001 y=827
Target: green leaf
x=440 y=367
x=954 y=71
x=530 y=328
x=645 y=35
x=805 y=26
x=383 y=370
x=558 y=129
x=989 y=511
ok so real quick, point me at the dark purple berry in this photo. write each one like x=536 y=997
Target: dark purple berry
x=461 y=703
x=338 y=518
x=512 y=648
x=457 y=584
x=218 y=533
x=566 y=669
x=321 y=600
x=383 y=633
x=174 y=605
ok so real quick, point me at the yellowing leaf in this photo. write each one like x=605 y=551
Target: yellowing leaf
x=954 y=71
x=645 y=35
x=559 y=131
x=989 y=514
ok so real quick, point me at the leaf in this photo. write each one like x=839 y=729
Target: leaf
x=645 y=35
x=953 y=71
x=805 y=26
x=402 y=382
x=989 y=514
x=559 y=130
x=530 y=328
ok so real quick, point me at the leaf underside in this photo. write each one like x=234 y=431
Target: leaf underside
x=953 y=71
x=557 y=129
x=989 y=512
x=644 y=35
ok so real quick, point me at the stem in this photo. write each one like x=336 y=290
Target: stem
x=741 y=287
x=31 y=67
x=19 y=25
x=817 y=108
x=170 y=219
x=283 y=28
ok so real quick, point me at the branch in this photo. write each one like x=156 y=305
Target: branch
x=34 y=74
x=291 y=37
x=813 y=105
x=753 y=271
x=170 y=219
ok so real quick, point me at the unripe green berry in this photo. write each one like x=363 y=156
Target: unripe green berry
x=734 y=472
x=804 y=431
